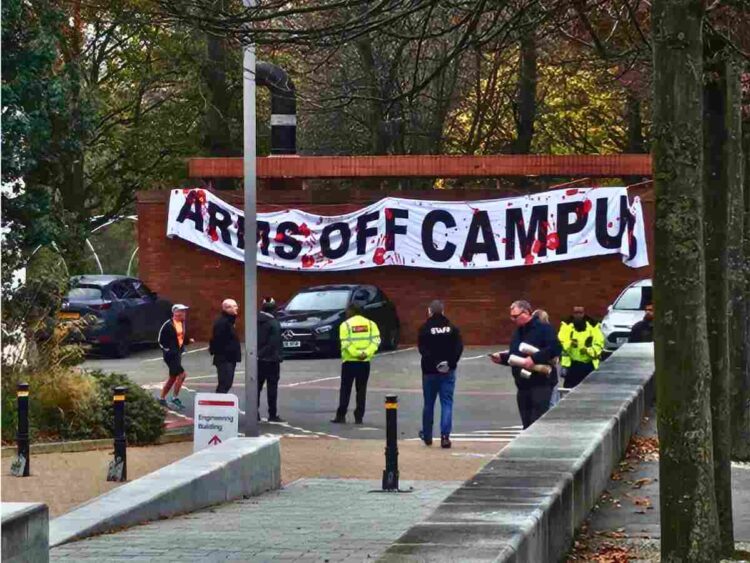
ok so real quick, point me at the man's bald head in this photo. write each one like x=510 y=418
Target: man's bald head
x=230 y=307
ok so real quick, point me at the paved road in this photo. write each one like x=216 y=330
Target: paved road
x=310 y=520
x=484 y=408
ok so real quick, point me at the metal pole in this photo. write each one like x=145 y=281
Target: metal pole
x=390 y=474
x=22 y=438
x=250 y=426
x=119 y=468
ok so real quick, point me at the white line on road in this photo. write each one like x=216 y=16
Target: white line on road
x=395 y=352
x=185 y=354
x=298 y=383
x=474 y=358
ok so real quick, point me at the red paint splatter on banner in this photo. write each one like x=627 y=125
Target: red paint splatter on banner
x=583 y=209
x=388 y=213
x=536 y=246
x=201 y=196
x=464 y=261
x=571 y=191
x=388 y=240
x=504 y=241
x=361 y=262
x=379 y=256
x=609 y=224
x=185 y=191
x=307 y=261
x=279 y=237
x=213 y=235
x=553 y=241
x=304 y=230
x=528 y=259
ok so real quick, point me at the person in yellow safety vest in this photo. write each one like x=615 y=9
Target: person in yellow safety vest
x=582 y=342
x=360 y=339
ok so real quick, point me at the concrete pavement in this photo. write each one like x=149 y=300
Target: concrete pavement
x=484 y=406
x=310 y=520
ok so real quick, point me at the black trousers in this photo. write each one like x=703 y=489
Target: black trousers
x=576 y=373
x=351 y=373
x=225 y=372
x=269 y=374
x=533 y=403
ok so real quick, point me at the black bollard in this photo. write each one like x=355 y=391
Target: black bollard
x=118 y=468
x=390 y=474
x=21 y=466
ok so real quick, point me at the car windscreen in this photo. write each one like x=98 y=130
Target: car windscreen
x=331 y=300
x=634 y=299
x=84 y=293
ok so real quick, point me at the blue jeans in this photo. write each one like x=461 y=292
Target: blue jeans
x=432 y=386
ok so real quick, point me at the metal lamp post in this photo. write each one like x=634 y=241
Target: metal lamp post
x=250 y=426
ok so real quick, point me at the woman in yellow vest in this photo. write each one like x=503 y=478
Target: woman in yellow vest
x=582 y=343
x=360 y=339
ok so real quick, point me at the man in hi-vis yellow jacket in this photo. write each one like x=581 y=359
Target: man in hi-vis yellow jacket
x=360 y=339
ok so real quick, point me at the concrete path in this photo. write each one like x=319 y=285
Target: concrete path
x=630 y=506
x=310 y=520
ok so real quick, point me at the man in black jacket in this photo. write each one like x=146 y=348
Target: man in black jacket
x=225 y=346
x=269 y=357
x=172 y=339
x=643 y=331
x=441 y=347
x=534 y=372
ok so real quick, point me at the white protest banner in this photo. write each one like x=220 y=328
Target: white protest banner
x=538 y=228
x=216 y=419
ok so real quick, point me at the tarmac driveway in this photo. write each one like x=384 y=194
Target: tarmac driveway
x=484 y=404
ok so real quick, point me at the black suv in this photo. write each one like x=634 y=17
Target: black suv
x=311 y=319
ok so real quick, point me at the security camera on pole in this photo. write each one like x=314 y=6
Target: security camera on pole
x=250 y=425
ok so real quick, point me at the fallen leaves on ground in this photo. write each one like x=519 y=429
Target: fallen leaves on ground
x=642 y=482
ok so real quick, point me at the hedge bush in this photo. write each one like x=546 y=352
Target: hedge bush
x=67 y=404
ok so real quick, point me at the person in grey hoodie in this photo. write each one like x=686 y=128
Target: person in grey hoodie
x=269 y=357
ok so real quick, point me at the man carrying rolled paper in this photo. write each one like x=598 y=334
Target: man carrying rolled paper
x=533 y=347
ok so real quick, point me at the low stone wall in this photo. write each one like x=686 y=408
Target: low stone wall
x=525 y=505
x=238 y=468
x=25 y=532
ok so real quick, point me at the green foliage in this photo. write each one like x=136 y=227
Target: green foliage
x=144 y=417
x=68 y=404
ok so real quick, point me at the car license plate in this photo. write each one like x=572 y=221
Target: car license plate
x=67 y=316
x=622 y=340
x=293 y=344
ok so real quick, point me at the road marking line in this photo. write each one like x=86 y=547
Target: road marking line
x=395 y=352
x=474 y=358
x=184 y=354
x=298 y=383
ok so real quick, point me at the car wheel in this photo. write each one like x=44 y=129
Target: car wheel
x=121 y=346
x=393 y=338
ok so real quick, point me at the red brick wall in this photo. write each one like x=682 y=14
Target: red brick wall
x=476 y=301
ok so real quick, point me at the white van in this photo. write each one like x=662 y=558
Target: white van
x=628 y=309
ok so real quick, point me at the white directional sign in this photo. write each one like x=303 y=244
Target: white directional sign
x=216 y=419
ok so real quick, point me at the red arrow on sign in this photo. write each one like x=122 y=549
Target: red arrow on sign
x=213 y=441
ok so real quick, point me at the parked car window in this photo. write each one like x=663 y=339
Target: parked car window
x=84 y=293
x=331 y=300
x=142 y=288
x=362 y=296
x=634 y=299
x=123 y=290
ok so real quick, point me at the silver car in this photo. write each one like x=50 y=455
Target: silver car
x=628 y=309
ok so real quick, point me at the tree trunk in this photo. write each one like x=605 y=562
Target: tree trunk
x=216 y=139
x=689 y=523
x=719 y=164
x=739 y=264
x=526 y=101
x=636 y=144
